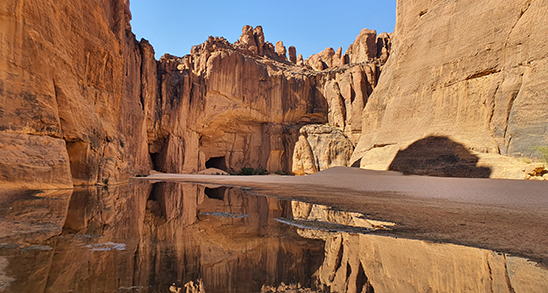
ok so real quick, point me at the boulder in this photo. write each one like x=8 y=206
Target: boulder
x=320 y=147
x=534 y=170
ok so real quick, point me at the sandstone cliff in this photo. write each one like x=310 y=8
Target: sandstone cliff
x=231 y=106
x=69 y=94
x=472 y=72
x=83 y=103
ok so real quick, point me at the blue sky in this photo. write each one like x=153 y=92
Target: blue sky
x=174 y=26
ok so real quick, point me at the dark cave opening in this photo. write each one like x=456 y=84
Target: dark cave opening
x=215 y=193
x=154 y=160
x=217 y=162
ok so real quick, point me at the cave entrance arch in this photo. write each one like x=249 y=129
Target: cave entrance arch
x=217 y=162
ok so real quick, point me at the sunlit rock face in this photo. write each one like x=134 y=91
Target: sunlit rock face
x=239 y=105
x=69 y=94
x=319 y=148
x=83 y=103
x=222 y=106
x=474 y=72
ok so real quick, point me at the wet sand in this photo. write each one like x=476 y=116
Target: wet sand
x=508 y=216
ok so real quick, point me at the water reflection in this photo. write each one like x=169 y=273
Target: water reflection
x=170 y=237
x=356 y=262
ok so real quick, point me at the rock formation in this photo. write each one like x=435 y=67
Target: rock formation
x=70 y=84
x=96 y=107
x=473 y=72
x=220 y=107
x=320 y=147
x=367 y=48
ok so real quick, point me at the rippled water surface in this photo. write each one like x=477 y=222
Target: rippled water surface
x=171 y=237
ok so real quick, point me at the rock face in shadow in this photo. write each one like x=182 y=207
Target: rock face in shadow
x=438 y=156
x=473 y=71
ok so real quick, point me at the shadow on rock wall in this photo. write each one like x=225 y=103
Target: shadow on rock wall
x=438 y=156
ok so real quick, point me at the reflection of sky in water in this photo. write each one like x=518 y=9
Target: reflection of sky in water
x=168 y=235
x=106 y=246
x=225 y=215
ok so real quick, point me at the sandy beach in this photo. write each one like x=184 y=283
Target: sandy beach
x=508 y=216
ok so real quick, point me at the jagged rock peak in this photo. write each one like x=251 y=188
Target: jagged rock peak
x=251 y=43
x=368 y=47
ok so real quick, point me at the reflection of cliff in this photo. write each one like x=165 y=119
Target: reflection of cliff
x=369 y=263
x=150 y=236
x=400 y=265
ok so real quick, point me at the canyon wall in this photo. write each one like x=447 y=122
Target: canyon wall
x=69 y=94
x=233 y=106
x=471 y=72
x=83 y=103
